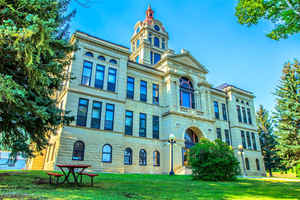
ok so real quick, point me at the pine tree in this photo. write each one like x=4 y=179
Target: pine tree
x=287 y=115
x=267 y=139
x=34 y=51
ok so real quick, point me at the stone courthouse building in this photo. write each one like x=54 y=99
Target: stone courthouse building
x=127 y=102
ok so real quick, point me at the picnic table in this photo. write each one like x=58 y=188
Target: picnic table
x=71 y=169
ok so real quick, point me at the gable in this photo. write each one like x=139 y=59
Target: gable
x=188 y=60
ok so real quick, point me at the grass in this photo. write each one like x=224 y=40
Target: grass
x=34 y=185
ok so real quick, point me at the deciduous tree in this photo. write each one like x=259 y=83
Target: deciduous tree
x=284 y=14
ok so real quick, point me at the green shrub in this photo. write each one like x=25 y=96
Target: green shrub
x=213 y=160
x=298 y=170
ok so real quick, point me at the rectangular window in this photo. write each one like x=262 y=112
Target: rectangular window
x=238 y=109
x=137 y=59
x=128 y=122
x=143 y=125
x=224 y=112
x=130 y=87
x=156 y=58
x=155 y=127
x=151 y=57
x=155 y=88
x=244 y=115
x=82 y=112
x=249 y=140
x=219 y=134
x=99 y=76
x=249 y=116
x=111 y=82
x=254 y=141
x=86 y=73
x=109 y=117
x=143 y=91
x=243 y=139
x=96 y=114
x=216 y=108
x=227 y=138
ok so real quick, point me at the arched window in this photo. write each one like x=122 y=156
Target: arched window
x=247 y=163
x=101 y=58
x=78 y=151
x=106 y=153
x=186 y=93
x=156 y=158
x=143 y=157
x=257 y=164
x=128 y=156
x=113 y=61
x=163 y=43
x=137 y=43
x=90 y=54
x=156 y=42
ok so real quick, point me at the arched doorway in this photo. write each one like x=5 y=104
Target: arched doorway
x=191 y=137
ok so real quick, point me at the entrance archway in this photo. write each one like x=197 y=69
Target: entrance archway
x=191 y=137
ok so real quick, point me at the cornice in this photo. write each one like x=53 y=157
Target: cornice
x=187 y=115
x=245 y=128
x=101 y=42
x=93 y=95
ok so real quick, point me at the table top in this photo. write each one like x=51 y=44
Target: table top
x=74 y=166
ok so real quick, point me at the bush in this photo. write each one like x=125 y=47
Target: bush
x=298 y=170
x=213 y=160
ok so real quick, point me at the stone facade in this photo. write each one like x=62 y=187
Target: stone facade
x=150 y=61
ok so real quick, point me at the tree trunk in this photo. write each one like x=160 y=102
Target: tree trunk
x=270 y=172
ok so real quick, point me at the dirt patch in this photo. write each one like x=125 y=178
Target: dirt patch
x=39 y=181
x=129 y=195
x=5 y=174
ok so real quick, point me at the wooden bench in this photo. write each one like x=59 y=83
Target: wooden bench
x=50 y=174
x=89 y=175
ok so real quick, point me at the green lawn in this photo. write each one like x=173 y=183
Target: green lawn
x=34 y=185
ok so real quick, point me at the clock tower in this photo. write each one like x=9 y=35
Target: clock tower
x=149 y=40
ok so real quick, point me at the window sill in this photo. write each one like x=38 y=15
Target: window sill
x=99 y=89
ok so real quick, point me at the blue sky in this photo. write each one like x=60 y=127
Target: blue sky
x=233 y=53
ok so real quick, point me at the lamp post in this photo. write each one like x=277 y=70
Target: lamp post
x=172 y=140
x=241 y=151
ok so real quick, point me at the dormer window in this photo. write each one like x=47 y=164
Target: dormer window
x=101 y=58
x=89 y=54
x=156 y=27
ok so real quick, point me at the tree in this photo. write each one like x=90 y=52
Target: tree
x=267 y=139
x=33 y=55
x=213 y=160
x=284 y=14
x=287 y=115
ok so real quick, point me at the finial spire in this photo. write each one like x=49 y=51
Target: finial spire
x=149 y=15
